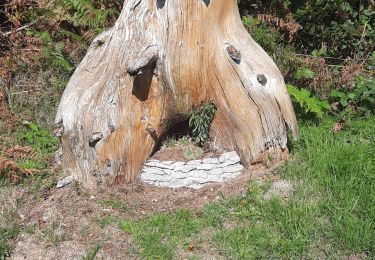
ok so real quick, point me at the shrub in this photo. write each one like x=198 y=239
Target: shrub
x=200 y=122
x=39 y=138
x=360 y=99
x=306 y=103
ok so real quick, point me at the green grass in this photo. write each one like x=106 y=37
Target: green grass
x=115 y=203
x=90 y=255
x=160 y=235
x=7 y=234
x=342 y=169
x=330 y=213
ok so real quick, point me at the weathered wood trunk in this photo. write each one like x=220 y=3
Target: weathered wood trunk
x=146 y=73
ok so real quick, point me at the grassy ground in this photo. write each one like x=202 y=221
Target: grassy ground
x=330 y=214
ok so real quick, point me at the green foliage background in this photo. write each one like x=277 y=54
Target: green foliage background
x=318 y=45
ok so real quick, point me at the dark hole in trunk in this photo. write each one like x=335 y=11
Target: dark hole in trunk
x=175 y=131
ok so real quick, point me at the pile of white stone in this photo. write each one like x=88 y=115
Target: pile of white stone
x=193 y=174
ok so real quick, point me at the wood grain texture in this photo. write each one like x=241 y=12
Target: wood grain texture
x=147 y=72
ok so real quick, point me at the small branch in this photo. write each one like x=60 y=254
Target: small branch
x=18 y=93
x=21 y=28
x=332 y=58
x=31 y=49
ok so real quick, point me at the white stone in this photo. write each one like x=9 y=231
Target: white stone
x=169 y=172
x=194 y=162
x=194 y=174
x=198 y=174
x=153 y=170
x=230 y=175
x=185 y=168
x=227 y=163
x=151 y=177
x=167 y=162
x=159 y=164
x=216 y=171
x=196 y=186
x=210 y=161
x=215 y=178
x=206 y=166
x=177 y=175
x=231 y=156
x=197 y=181
x=235 y=168
x=176 y=164
x=64 y=182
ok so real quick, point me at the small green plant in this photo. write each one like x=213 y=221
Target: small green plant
x=39 y=138
x=106 y=221
x=6 y=234
x=307 y=102
x=200 y=122
x=304 y=73
x=193 y=153
x=90 y=255
x=115 y=203
x=361 y=98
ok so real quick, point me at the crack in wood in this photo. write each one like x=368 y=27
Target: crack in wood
x=136 y=5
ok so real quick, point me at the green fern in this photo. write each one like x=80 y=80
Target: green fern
x=85 y=13
x=304 y=73
x=307 y=102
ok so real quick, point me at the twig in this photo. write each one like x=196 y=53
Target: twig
x=18 y=93
x=31 y=49
x=332 y=58
x=21 y=28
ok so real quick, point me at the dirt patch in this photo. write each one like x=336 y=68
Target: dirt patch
x=281 y=189
x=168 y=154
x=147 y=199
x=66 y=223
x=200 y=248
x=8 y=120
x=182 y=149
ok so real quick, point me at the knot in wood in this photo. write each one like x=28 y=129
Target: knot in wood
x=151 y=130
x=96 y=137
x=59 y=129
x=234 y=53
x=262 y=79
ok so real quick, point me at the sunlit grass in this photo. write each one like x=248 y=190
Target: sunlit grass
x=331 y=213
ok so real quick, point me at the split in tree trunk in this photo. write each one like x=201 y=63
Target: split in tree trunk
x=146 y=73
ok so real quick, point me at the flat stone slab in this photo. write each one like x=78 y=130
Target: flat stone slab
x=65 y=182
x=193 y=174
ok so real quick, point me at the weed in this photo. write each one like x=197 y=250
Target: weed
x=193 y=153
x=200 y=122
x=39 y=138
x=106 y=221
x=90 y=255
x=181 y=141
x=7 y=234
x=361 y=98
x=115 y=204
x=331 y=209
x=308 y=103
x=160 y=235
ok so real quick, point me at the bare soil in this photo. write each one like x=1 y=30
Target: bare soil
x=64 y=223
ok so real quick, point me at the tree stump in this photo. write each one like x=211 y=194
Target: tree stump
x=144 y=75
